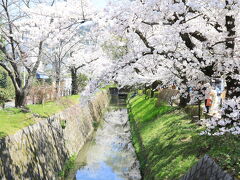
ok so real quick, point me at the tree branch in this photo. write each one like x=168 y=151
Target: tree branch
x=144 y=40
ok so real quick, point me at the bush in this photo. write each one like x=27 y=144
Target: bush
x=7 y=91
x=140 y=92
x=96 y=125
x=81 y=81
x=3 y=95
x=69 y=165
x=41 y=92
x=166 y=96
x=63 y=124
x=148 y=92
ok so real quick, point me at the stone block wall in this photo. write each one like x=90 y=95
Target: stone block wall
x=206 y=169
x=40 y=151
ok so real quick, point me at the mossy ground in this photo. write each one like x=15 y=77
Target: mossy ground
x=12 y=119
x=168 y=143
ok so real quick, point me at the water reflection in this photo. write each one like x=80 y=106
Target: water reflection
x=111 y=155
x=102 y=172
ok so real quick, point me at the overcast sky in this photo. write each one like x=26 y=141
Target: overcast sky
x=100 y=3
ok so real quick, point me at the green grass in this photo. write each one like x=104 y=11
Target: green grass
x=12 y=119
x=50 y=108
x=168 y=143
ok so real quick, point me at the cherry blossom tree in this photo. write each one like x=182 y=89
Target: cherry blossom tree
x=22 y=40
x=25 y=35
x=194 y=40
x=84 y=62
x=74 y=47
x=61 y=48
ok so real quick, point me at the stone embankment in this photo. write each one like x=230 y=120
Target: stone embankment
x=40 y=151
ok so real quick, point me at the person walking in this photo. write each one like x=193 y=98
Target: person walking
x=208 y=98
x=215 y=102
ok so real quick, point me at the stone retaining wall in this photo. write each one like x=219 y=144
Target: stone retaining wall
x=40 y=151
x=206 y=168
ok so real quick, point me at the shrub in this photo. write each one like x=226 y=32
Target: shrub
x=166 y=96
x=70 y=164
x=7 y=91
x=63 y=124
x=148 y=92
x=81 y=81
x=96 y=124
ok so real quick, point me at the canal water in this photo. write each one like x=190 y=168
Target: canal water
x=109 y=155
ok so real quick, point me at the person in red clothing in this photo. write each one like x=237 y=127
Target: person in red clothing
x=208 y=97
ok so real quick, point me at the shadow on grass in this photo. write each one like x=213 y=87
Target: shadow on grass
x=140 y=105
x=172 y=144
x=145 y=110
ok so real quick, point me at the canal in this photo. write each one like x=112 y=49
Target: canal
x=109 y=155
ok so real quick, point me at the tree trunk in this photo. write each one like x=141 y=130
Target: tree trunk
x=232 y=85
x=58 y=71
x=74 y=90
x=20 y=99
x=184 y=100
x=145 y=89
x=20 y=95
x=58 y=87
x=58 y=80
x=152 y=93
x=153 y=87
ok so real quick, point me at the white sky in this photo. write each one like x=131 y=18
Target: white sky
x=100 y=3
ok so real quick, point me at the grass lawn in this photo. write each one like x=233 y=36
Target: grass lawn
x=12 y=119
x=168 y=143
x=50 y=108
